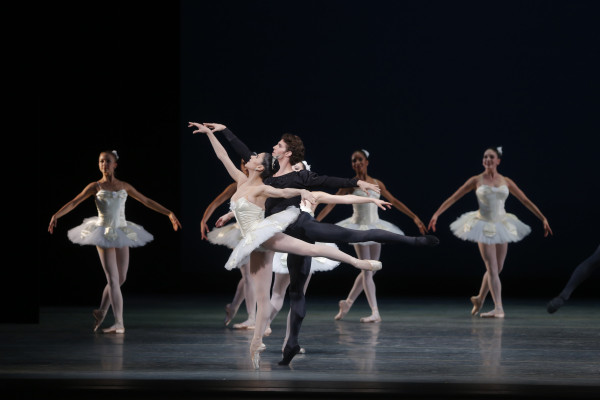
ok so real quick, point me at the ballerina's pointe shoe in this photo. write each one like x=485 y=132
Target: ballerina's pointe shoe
x=344 y=308
x=427 y=240
x=244 y=325
x=374 y=265
x=374 y=318
x=98 y=318
x=554 y=304
x=492 y=314
x=255 y=354
x=476 y=305
x=114 y=329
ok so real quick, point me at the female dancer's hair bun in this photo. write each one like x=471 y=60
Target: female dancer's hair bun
x=271 y=166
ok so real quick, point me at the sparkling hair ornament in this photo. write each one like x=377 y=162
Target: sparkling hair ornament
x=366 y=152
x=114 y=152
x=306 y=165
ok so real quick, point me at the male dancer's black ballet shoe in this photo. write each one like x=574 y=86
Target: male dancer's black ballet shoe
x=427 y=240
x=555 y=304
x=288 y=354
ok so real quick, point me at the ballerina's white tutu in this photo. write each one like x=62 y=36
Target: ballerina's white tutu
x=228 y=235
x=317 y=263
x=491 y=224
x=256 y=229
x=110 y=228
x=366 y=216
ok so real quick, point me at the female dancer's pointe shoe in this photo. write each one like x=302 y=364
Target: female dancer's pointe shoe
x=344 y=308
x=288 y=354
x=492 y=314
x=255 y=354
x=375 y=318
x=98 y=318
x=114 y=329
x=302 y=350
x=476 y=305
x=249 y=325
x=373 y=265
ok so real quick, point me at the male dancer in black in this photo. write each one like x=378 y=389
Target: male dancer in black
x=289 y=151
x=580 y=274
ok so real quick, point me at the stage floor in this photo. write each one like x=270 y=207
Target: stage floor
x=178 y=347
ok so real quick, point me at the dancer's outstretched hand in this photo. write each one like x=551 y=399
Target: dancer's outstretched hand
x=52 y=224
x=175 y=222
x=382 y=204
x=432 y=223
x=201 y=128
x=308 y=196
x=224 y=219
x=547 y=229
x=420 y=225
x=364 y=186
x=213 y=126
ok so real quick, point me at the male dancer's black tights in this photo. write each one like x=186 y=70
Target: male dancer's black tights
x=580 y=274
x=308 y=229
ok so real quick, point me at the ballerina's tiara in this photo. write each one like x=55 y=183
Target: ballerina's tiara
x=499 y=149
x=115 y=154
x=306 y=165
x=366 y=152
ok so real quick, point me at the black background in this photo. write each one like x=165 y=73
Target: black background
x=425 y=86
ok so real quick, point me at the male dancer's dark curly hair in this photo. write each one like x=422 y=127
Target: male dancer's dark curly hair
x=295 y=145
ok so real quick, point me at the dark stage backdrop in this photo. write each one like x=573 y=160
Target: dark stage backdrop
x=425 y=86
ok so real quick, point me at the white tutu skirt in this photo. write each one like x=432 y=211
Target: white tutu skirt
x=379 y=224
x=261 y=232
x=91 y=233
x=472 y=227
x=317 y=263
x=228 y=235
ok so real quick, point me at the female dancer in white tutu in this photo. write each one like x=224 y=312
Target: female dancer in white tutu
x=111 y=233
x=263 y=236
x=229 y=236
x=365 y=217
x=491 y=227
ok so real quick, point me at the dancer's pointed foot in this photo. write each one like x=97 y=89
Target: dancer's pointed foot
x=248 y=324
x=114 y=329
x=98 y=318
x=228 y=316
x=427 y=240
x=555 y=304
x=493 y=314
x=344 y=308
x=373 y=318
x=268 y=331
x=369 y=265
x=255 y=349
x=476 y=305
x=288 y=354
x=302 y=350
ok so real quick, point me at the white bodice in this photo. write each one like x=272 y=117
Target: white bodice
x=491 y=201
x=247 y=214
x=111 y=208
x=365 y=213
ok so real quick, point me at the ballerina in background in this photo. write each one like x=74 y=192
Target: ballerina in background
x=365 y=217
x=491 y=227
x=111 y=233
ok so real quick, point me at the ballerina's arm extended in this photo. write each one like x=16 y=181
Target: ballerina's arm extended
x=153 y=205
x=324 y=197
x=221 y=153
x=88 y=191
x=220 y=199
x=518 y=193
x=469 y=185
